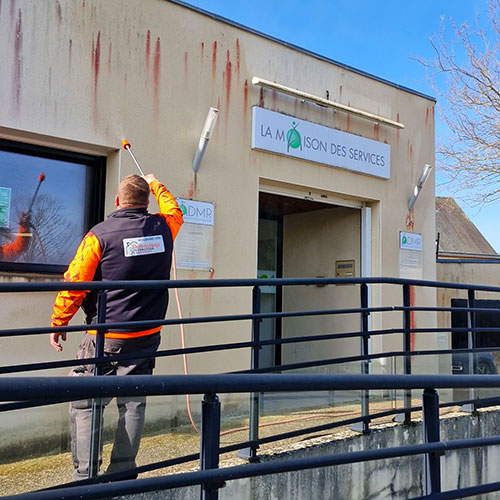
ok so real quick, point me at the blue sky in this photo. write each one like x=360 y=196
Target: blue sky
x=377 y=37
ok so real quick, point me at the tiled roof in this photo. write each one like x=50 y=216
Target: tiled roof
x=457 y=234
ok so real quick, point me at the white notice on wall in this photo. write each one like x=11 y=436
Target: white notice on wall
x=410 y=255
x=194 y=243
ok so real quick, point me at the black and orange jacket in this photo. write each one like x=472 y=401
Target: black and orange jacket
x=12 y=251
x=131 y=244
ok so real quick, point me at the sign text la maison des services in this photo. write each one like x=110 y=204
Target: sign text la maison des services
x=290 y=136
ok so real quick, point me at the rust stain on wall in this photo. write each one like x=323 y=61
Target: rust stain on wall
x=238 y=58
x=340 y=93
x=156 y=71
x=185 y=68
x=214 y=59
x=148 y=50
x=348 y=124
x=426 y=116
x=109 y=56
x=70 y=51
x=97 y=60
x=228 y=82
x=397 y=130
x=261 y=97
x=58 y=13
x=202 y=50
x=376 y=131
x=245 y=101
x=18 y=47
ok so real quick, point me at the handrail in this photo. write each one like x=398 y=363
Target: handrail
x=37 y=391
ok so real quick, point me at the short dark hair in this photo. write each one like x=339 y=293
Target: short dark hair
x=133 y=190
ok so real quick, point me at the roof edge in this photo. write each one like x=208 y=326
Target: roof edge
x=235 y=24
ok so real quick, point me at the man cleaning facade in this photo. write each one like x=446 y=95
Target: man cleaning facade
x=131 y=244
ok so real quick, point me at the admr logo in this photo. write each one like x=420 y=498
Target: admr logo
x=405 y=241
x=293 y=139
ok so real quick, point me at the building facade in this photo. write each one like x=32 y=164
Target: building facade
x=308 y=172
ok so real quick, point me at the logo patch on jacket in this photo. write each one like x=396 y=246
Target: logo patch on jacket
x=145 y=245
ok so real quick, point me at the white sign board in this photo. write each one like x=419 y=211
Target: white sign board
x=197 y=212
x=289 y=136
x=410 y=241
x=195 y=241
x=410 y=255
x=5 y=197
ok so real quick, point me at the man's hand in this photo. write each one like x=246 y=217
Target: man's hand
x=24 y=220
x=54 y=340
x=149 y=178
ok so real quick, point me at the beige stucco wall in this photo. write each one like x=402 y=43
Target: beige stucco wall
x=83 y=75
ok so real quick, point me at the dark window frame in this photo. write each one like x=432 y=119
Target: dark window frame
x=94 y=194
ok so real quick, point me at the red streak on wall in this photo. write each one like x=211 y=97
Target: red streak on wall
x=376 y=131
x=97 y=60
x=214 y=59
x=426 y=116
x=238 y=58
x=340 y=93
x=397 y=130
x=185 y=67
x=348 y=124
x=245 y=96
x=148 y=49
x=109 y=56
x=261 y=97
x=191 y=190
x=83 y=4
x=156 y=69
x=202 y=49
x=413 y=323
x=18 y=47
x=228 y=82
x=245 y=103
x=58 y=13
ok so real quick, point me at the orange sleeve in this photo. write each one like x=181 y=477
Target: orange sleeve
x=13 y=250
x=169 y=209
x=82 y=268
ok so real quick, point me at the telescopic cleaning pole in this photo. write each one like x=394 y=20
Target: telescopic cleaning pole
x=126 y=145
x=41 y=178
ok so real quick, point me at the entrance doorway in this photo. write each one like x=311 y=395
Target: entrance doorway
x=298 y=237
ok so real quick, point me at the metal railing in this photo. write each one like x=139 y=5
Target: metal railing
x=43 y=391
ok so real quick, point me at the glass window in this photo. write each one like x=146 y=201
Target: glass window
x=49 y=199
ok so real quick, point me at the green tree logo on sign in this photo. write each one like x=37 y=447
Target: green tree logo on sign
x=293 y=138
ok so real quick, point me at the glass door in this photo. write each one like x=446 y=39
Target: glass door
x=269 y=265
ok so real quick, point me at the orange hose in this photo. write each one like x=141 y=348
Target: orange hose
x=183 y=341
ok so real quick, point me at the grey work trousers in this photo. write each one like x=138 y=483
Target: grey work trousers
x=131 y=411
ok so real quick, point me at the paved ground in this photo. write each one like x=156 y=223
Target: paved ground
x=38 y=473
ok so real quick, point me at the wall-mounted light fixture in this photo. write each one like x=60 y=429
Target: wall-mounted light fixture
x=325 y=102
x=419 y=186
x=206 y=133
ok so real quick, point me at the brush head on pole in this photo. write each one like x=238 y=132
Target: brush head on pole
x=125 y=144
x=41 y=177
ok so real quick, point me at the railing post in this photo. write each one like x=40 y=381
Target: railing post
x=364 y=426
x=97 y=406
x=432 y=471
x=471 y=344
x=210 y=443
x=250 y=453
x=405 y=417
